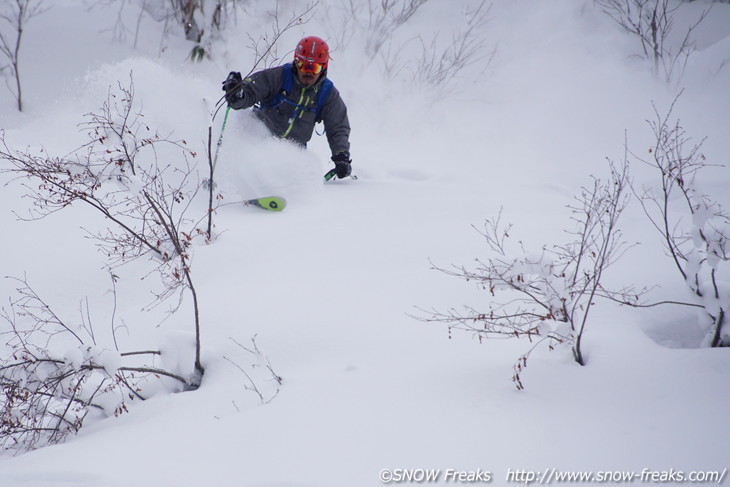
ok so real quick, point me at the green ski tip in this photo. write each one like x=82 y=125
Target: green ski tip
x=271 y=203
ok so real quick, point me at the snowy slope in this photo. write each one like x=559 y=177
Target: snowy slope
x=328 y=285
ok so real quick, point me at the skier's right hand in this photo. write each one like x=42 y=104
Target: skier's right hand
x=232 y=86
x=342 y=164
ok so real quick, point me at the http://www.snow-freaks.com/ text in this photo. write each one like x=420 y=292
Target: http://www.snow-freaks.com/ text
x=548 y=476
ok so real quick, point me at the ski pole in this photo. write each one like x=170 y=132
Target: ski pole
x=220 y=137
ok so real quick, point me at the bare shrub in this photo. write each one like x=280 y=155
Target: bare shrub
x=266 y=48
x=16 y=14
x=201 y=20
x=546 y=297
x=694 y=227
x=651 y=22
x=54 y=374
x=383 y=18
x=438 y=67
x=376 y=19
x=260 y=363
x=426 y=59
x=118 y=174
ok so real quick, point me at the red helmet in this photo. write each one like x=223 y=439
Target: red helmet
x=312 y=54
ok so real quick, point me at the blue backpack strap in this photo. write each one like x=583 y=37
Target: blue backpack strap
x=286 y=85
x=288 y=79
x=324 y=92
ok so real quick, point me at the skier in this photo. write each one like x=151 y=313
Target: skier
x=291 y=98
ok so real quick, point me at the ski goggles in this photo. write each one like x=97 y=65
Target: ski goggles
x=309 y=67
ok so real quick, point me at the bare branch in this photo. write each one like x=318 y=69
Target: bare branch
x=260 y=361
x=17 y=13
x=695 y=230
x=47 y=388
x=652 y=21
x=547 y=298
x=118 y=174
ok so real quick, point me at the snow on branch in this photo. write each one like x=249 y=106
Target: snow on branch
x=694 y=227
x=546 y=297
x=54 y=374
x=119 y=175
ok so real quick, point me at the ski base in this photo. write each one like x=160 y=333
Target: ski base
x=270 y=203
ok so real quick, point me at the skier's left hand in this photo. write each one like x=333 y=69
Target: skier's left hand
x=232 y=86
x=343 y=167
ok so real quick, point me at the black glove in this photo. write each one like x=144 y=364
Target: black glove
x=342 y=164
x=232 y=86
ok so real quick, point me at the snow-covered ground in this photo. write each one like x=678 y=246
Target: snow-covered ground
x=328 y=286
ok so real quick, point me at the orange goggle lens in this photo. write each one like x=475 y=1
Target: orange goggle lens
x=309 y=67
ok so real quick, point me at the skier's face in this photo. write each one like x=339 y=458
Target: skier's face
x=308 y=73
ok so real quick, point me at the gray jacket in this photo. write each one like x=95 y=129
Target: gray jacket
x=261 y=87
